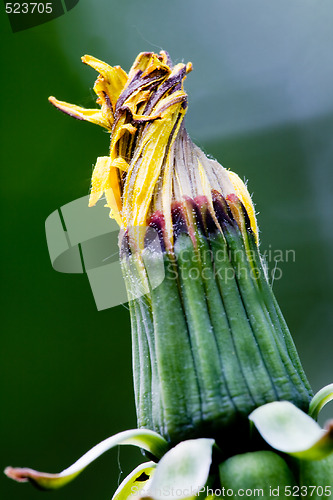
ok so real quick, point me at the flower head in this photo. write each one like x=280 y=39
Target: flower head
x=152 y=163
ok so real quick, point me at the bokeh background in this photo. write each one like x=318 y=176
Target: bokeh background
x=261 y=102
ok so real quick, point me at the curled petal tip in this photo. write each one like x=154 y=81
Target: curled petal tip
x=53 y=100
x=143 y=438
x=90 y=115
x=41 y=480
x=92 y=61
x=21 y=475
x=189 y=67
x=329 y=428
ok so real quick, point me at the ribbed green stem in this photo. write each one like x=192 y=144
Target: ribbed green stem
x=232 y=372
x=142 y=362
x=261 y=325
x=135 y=355
x=178 y=380
x=145 y=418
x=146 y=320
x=258 y=379
x=282 y=335
x=215 y=400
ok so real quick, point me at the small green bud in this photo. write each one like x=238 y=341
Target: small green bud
x=264 y=474
x=317 y=477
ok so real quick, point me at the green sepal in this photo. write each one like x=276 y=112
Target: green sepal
x=183 y=471
x=146 y=439
x=319 y=400
x=288 y=429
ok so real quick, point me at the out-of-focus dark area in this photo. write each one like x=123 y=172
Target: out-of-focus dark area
x=261 y=102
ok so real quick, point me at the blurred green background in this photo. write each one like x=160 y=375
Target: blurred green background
x=261 y=102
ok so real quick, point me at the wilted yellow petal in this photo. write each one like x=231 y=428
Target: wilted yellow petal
x=167 y=196
x=146 y=62
x=206 y=188
x=118 y=147
x=99 y=179
x=245 y=197
x=113 y=195
x=120 y=163
x=105 y=180
x=101 y=89
x=115 y=77
x=135 y=99
x=89 y=115
x=139 y=64
x=140 y=182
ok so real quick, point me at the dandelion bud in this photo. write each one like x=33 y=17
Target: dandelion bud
x=209 y=341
